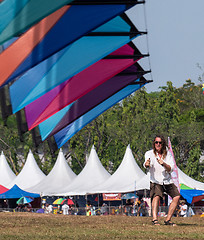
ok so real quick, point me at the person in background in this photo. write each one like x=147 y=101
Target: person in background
x=177 y=211
x=50 y=207
x=46 y=209
x=65 y=209
x=128 y=207
x=160 y=163
x=183 y=208
x=19 y=208
x=137 y=204
x=142 y=211
x=104 y=209
x=88 y=208
x=28 y=207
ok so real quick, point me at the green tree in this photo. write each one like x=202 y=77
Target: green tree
x=192 y=167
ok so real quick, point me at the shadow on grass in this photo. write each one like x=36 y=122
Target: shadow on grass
x=186 y=224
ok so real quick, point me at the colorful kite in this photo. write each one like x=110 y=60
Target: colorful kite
x=42 y=40
x=80 y=84
x=16 y=16
x=69 y=61
x=90 y=101
x=69 y=131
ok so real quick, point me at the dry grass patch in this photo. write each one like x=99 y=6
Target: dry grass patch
x=43 y=226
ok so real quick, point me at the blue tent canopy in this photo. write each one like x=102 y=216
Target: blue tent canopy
x=192 y=195
x=16 y=192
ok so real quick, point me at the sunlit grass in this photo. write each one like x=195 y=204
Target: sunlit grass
x=43 y=226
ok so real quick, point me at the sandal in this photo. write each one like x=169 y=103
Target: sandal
x=169 y=223
x=155 y=222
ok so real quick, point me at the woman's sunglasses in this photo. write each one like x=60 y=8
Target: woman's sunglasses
x=156 y=142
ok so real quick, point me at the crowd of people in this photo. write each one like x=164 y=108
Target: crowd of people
x=132 y=207
x=24 y=207
x=136 y=207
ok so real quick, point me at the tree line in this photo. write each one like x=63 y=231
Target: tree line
x=177 y=113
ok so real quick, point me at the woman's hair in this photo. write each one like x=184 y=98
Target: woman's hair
x=164 y=145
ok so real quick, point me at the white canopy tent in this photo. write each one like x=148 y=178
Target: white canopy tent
x=190 y=182
x=127 y=178
x=59 y=177
x=92 y=174
x=30 y=174
x=6 y=174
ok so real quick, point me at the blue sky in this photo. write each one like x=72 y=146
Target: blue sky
x=175 y=40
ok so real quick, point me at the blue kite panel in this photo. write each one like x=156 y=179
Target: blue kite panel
x=8 y=10
x=76 y=22
x=9 y=42
x=27 y=14
x=49 y=124
x=63 y=65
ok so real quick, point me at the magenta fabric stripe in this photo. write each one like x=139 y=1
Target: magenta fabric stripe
x=96 y=97
x=77 y=86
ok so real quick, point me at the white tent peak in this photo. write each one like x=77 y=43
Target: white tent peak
x=127 y=178
x=190 y=182
x=129 y=163
x=30 y=174
x=60 y=176
x=93 y=147
x=92 y=174
x=93 y=163
x=6 y=174
x=61 y=164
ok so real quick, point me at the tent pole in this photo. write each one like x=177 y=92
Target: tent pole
x=134 y=200
x=121 y=206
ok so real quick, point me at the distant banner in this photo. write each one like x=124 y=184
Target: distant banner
x=111 y=196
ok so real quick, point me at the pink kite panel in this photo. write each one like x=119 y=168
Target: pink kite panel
x=77 y=86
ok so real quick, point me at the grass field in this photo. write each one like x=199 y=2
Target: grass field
x=50 y=226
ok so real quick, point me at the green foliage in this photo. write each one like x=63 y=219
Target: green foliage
x=193 y=165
